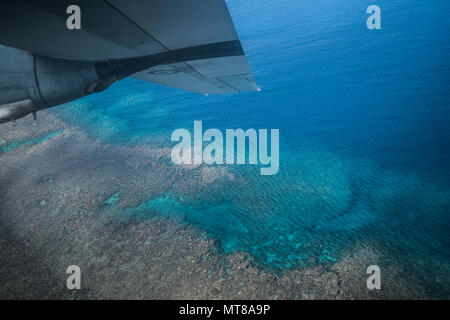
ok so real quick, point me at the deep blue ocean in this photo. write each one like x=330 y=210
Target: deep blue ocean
x=364 y=133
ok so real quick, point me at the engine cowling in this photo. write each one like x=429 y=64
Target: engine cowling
x=29 y=83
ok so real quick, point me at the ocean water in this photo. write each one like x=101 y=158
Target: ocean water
x=16 y=144
x=364 y=134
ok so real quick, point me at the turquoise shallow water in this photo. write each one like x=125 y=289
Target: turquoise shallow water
x=8 y=147
x=363 y=118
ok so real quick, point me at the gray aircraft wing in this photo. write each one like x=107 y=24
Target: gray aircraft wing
x=199 y=35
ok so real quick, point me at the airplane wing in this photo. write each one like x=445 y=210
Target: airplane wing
x=123 y=29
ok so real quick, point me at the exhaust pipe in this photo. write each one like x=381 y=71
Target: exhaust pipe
x=12 y=111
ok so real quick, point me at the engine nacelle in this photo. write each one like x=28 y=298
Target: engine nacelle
x=29 y=83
